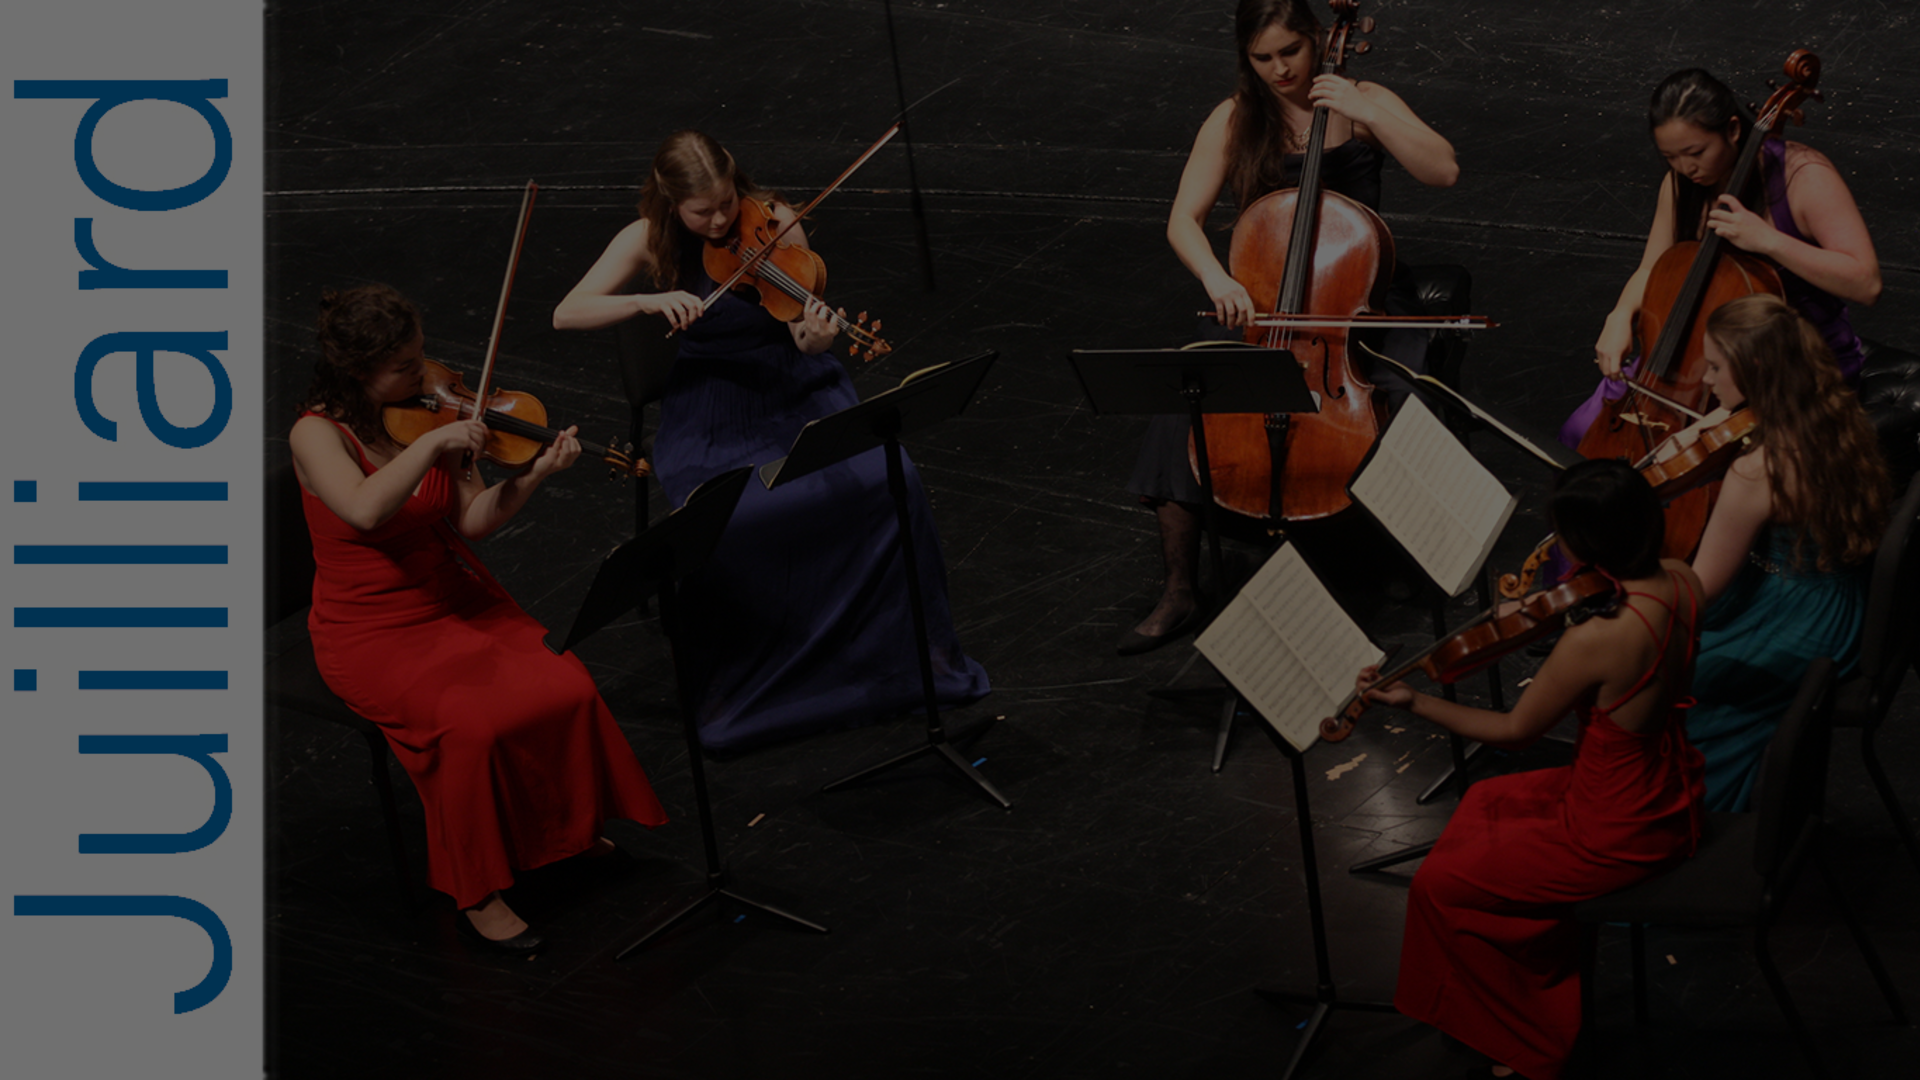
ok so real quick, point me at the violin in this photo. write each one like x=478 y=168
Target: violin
x=1689 y=281
x=1683 y=462
x=516 y=422
x=1493 y=635
x=784 y=275
x=1334 y=258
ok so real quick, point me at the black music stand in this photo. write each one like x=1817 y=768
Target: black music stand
x=1204 y=377
x=924 y=400
x=1325 y=997
x=672 y=548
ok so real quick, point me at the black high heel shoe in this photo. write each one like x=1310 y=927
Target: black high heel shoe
x=523 y=944
x=1133 y=642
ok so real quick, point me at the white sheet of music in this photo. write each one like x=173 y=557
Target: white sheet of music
x=1288 y=647
x=1440 y=503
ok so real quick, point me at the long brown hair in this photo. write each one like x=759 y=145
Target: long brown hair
x=1257 y=136
x=359 y=329
x=688 y=165
x=1823 y=458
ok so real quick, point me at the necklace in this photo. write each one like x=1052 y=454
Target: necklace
x=1295 y=142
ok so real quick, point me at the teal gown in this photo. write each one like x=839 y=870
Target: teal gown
x=1755 y=643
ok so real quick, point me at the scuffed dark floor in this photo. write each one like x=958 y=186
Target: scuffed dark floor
x=1119 y=918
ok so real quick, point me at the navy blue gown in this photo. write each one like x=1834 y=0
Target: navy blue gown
x=801 y=621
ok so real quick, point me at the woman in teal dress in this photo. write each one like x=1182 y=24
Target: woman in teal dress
x=1783 y=559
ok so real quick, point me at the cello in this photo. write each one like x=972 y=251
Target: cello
x=1335 y=258
x=1688 y=282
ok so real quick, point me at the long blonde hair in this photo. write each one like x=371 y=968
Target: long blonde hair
x=1824 y=466
x=688 y=165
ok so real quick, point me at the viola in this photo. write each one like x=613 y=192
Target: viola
x=516 y=422
x=1684 y=462
x=1491 y=636
x=1689 y=281
x=784 y=275
x=1333 y=259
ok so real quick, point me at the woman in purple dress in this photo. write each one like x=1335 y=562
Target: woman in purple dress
x=800 y=622
x=1797 y=213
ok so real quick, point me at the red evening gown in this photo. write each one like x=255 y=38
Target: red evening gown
x=1491 y=956
x=517 y=759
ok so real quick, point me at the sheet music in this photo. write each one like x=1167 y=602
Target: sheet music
x=1554 y=456
x=1441 y=504
x=1288 y=647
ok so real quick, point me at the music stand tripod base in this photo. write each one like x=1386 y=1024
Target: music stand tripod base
x=675 y=546
x=879 y=421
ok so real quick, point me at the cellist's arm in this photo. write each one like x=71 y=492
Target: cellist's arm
x=1383 y=119
x=1616 y=337
x=1200 y=183
x=1840 y=260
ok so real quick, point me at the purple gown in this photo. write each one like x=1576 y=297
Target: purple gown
x=801 y=621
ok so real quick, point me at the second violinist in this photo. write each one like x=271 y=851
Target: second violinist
x=800 y=622
x=1251 y=144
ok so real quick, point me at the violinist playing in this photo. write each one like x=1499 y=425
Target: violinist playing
x=516 y=758
x=800 y=622
x=1253 y=143
x=1783 y=559
x=1489 y=956
x=1797 y=213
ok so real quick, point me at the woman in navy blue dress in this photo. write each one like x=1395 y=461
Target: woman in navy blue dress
x=800 y=623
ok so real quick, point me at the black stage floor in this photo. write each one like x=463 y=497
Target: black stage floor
x=1119 y=918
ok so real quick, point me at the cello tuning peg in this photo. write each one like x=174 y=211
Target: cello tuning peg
x=1366 y=27
x=1363 y=48
x=861 y=319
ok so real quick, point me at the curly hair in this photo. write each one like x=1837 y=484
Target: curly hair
x=359 y=329
x=1257 y=136
x=1824 y=467
x=688 y=165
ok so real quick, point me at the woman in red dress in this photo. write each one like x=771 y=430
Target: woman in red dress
x=517 y=760
x=1490 y=955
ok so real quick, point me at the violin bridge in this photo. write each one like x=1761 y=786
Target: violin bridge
x=1645 y=421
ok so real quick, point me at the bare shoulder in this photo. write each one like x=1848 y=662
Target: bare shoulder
x=633 y=238
x=1800 y=155
x=1218 y=120
x=1682 y=571
x=1750 y=467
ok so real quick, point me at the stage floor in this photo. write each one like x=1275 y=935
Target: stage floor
x=1122 y=916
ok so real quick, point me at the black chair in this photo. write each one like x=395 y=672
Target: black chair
x=645 y=355
x=1445 y=289
x=293 y=681
x=1890 y=392
x=1748 y=863
x=1890 y=645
